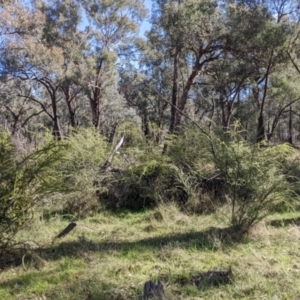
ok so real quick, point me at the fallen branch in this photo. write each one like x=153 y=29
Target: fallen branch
x=108 y=163
x=66 y=231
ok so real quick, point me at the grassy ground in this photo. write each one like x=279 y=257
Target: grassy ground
x=111 y=256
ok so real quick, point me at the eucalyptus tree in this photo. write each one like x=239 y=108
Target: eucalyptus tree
x=230 y=50
x=16 y=109
x=147 y=82
x=113 y=25
x=44 y=55
x=262 y=42
x=62 y=29
x=149 y=103
x=193 y=34
x=254 y=54
x=227 y=79
x=18 y=21
x=283 y=95
x=255 y=51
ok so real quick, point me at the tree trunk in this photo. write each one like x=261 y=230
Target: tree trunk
x=260 y=129
x=71 y=109
x=290 y=126
x=184 y=96
x=261 y=126
x=56 y=126
x=200 y=61
x=174 y=90
x=95 y=98
x=95 y=106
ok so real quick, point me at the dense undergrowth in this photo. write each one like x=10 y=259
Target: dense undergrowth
x=148 y=215
x=200 y=171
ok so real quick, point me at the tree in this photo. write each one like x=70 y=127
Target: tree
x=263 y=50
x=112 y=25
x=193 y=36
x=62 y=30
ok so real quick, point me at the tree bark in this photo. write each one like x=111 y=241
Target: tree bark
x=290 y=126
x=260 y=128
x=200 y=61
x=57 y=132
x=95 y=98
x=184 y=96
x=174 y=89
x=71 y=109
x=260 y=124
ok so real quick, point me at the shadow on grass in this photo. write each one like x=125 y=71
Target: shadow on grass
x=210 y=239
x=48 y=284
x=285 y=222
x=60 y=281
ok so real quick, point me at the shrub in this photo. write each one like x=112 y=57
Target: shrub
x=223 y=168
x=151 y=180
x=253 y=175
x=134 y=136
x=191 y=152
x=85 y=152
x=23 y=182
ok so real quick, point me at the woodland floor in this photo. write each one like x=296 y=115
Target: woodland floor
x=110 y=256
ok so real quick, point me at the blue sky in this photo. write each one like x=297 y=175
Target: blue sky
x=145 y=24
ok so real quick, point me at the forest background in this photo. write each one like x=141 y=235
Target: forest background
x=200 y=111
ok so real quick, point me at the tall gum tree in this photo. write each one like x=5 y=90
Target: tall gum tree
x=194 y=35
x=113 y=26
x=62 y=30
x=46 y=57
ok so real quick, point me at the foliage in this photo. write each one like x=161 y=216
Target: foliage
x=70 y=63
x=253 y=176
x=292 y=168
x=78 y=63
x=148 y=181
x=227 y=171
x=134 y=138
x=190 y=151
x=25 y=181
x=189 y=148
x=86 y=151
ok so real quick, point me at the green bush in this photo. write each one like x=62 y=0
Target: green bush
x=253 y=175
x=134 y=136
x=191 y=152
x=85 y=152
x=23 y=182
x=226 y=171
x=151 y=180
x=189 y=149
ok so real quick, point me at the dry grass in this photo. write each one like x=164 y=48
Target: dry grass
x=111 y=256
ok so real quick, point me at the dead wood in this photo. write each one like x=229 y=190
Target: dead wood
x=66 y=231
x=153 y=290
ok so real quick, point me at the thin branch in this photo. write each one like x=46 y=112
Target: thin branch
x=181 y=112
x=31 y=116
x=296 y=67
x=41 y=104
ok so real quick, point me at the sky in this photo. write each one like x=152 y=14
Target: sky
x=145 y=24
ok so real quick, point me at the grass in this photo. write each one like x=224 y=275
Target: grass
x=111 y=256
